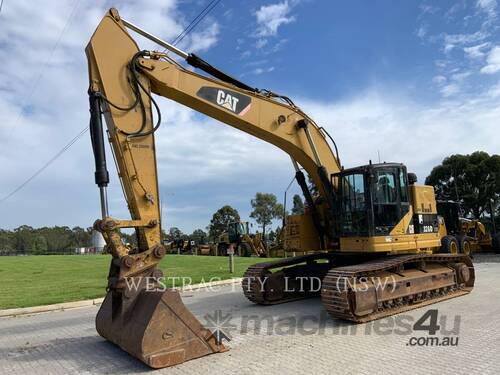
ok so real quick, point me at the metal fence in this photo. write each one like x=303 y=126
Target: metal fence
x=77 y=251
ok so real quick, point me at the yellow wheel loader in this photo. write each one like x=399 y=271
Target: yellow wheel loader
x=246 y=244
x=470 y=235
x=369 y=223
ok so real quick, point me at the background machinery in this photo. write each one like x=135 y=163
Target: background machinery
x=367 y=224
x=246 y=244
x=466 y=235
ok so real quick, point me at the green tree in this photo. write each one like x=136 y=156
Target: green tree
x=312 y=187
x=164 y=236
x=23 y=238
x=221 y=219
x=265 y=209
x=473 y=180
x=81 y=237
x=175 y=233
x=45 y=240
x=40 y=245
x=298 y=205
x=129 y=238
x=199 y=236
x=6 y=240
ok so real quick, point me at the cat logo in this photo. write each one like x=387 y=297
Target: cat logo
x=226 y=100
x=230 y=100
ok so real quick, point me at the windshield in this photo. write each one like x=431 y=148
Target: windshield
x=242 y=228
x=237 y=229
x=354 y=220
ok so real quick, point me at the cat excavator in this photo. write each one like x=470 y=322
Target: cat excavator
x=365 y=224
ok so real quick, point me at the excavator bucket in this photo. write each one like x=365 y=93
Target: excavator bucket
x=155 y=327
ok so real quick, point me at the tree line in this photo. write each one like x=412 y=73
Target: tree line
x=472 y=180
x=28 y=240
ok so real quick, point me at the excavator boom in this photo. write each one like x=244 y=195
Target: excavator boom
x=155 y=326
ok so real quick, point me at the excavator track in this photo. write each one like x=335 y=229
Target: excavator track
x=415 y=281
x=269 y=283
x=264 y=287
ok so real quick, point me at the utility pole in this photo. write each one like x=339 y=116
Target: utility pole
x=230 y=252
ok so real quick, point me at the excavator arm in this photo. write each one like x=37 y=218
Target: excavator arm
x=122 y=79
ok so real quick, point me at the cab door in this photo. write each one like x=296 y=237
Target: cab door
x=389 y=198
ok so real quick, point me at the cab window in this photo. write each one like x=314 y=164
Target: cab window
x=403 y=185
x=385 y=201
x=354 y=204
x=242 y=228
x=385 y=188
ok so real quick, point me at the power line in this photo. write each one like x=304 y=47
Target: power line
x=197 y=22
x=204 y=12
x=30 y=94
x=210 y=6
x=45 y=64
x=40 y=170
x=192 y=21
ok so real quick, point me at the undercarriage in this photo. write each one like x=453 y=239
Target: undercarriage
x=360 y=291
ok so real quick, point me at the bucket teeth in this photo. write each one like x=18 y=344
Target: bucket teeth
x=155 y=327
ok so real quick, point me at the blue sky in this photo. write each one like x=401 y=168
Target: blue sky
x=330 y=50
x=413 y=80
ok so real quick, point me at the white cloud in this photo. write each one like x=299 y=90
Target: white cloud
x=246 y=54
x=405 y=130
x=257 y=62
x=441 y=63
x=278 y=46
x=465 y=50
x=258 y=71
x=204 y=39
x=45 y=104
x=448 y=47
x=488 y=6
x=427 y=8
x=439 y=80
x=494 y=91
x=271 y=17
x=455 y=8
x=476 y=52
x=465 y=38
x=260 y=43
x=450 y=89
x=459 y=77
x=493 y=61
x=421 y=32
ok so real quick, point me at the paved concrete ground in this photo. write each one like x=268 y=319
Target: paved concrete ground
x=303 y=340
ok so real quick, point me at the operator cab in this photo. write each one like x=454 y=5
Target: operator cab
x=236 y=230
x=451 y=213
x=373 y=199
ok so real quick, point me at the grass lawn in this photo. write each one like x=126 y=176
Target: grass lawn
x=42 y=280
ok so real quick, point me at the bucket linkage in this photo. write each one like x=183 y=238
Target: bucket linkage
x=146 y=320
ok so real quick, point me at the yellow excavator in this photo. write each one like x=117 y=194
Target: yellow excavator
x=367 y=223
